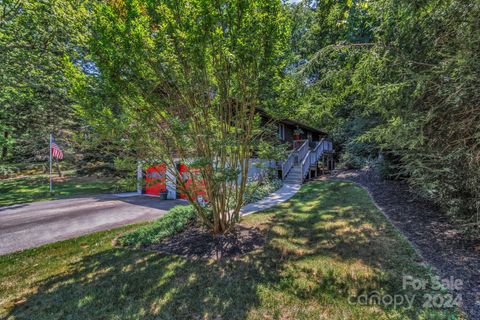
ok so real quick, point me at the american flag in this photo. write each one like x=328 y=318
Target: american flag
x=56 y=152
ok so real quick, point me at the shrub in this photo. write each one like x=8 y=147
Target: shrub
x=7 y=171
x=258 y=190
x=389 y=167
x=10 y=170
x=351 y=161
x=96 y=168
x=176 y=220
x=125 y=184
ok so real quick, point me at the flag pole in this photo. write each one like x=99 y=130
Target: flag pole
x=50 y=158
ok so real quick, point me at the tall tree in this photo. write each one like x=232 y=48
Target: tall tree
x=35 y=38
x=180 y=84
x=400 y=77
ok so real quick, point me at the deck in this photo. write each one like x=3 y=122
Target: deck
x=306 y=160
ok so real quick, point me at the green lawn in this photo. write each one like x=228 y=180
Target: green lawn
x=36 y=188
x=326 y=245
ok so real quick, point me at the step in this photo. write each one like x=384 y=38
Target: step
x=295 y=172
x=293 y=182
x=294 y=178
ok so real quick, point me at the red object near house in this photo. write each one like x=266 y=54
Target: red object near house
x=187 y=182
x=155 y=180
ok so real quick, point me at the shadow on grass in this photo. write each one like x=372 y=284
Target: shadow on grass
x=325 y=245
x=121 y=283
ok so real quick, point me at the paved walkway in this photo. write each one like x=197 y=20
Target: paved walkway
x=281 y=195
x=31 y=225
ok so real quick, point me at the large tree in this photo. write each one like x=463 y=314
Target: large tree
x=179 y=82
x=401 y=77
x=35 y=38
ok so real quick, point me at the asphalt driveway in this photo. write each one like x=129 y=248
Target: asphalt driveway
x=30 y=225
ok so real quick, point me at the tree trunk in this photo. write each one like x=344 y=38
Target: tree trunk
x=5 y=148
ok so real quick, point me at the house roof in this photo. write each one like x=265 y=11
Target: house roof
x=292 y=122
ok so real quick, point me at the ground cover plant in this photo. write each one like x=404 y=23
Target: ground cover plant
x=323 y=249
x=176 y=220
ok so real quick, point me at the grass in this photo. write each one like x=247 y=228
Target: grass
x=324 y=246
x=36 y=188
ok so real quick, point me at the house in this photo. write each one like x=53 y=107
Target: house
x=310 y=152
x=291 y=130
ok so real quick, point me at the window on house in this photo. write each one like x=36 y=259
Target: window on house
x=309 y=136
x=281 y=131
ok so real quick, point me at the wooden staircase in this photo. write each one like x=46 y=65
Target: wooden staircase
x=295 y=175
x=296 y=168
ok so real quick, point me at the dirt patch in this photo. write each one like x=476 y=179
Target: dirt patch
x=198 y=243
x=431 y=232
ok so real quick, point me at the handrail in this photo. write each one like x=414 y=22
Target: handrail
x=315 y=152
x=322 y=142
x=287 y=164
x=302 y=151
x=328 y=146
x=304 y=167
x=303 y=154
x=318 y=145
x=313 y=157
x=297 y=144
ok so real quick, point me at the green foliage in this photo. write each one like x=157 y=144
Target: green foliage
x=425 y=95
x=402 y=78
x=179 y=81
x=257 y=190
x=8 y=170
x=266 y=144
x=174 y=221
x=35 y=37
x=349 y=160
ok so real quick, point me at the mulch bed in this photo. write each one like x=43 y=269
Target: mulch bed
x=437 y=238
x=198 y=243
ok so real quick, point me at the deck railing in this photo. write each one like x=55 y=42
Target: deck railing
x=321 y=147
x=302 y=151
x=306 y=165
x=287 y=164
x=316 y=153
x=303 y=155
